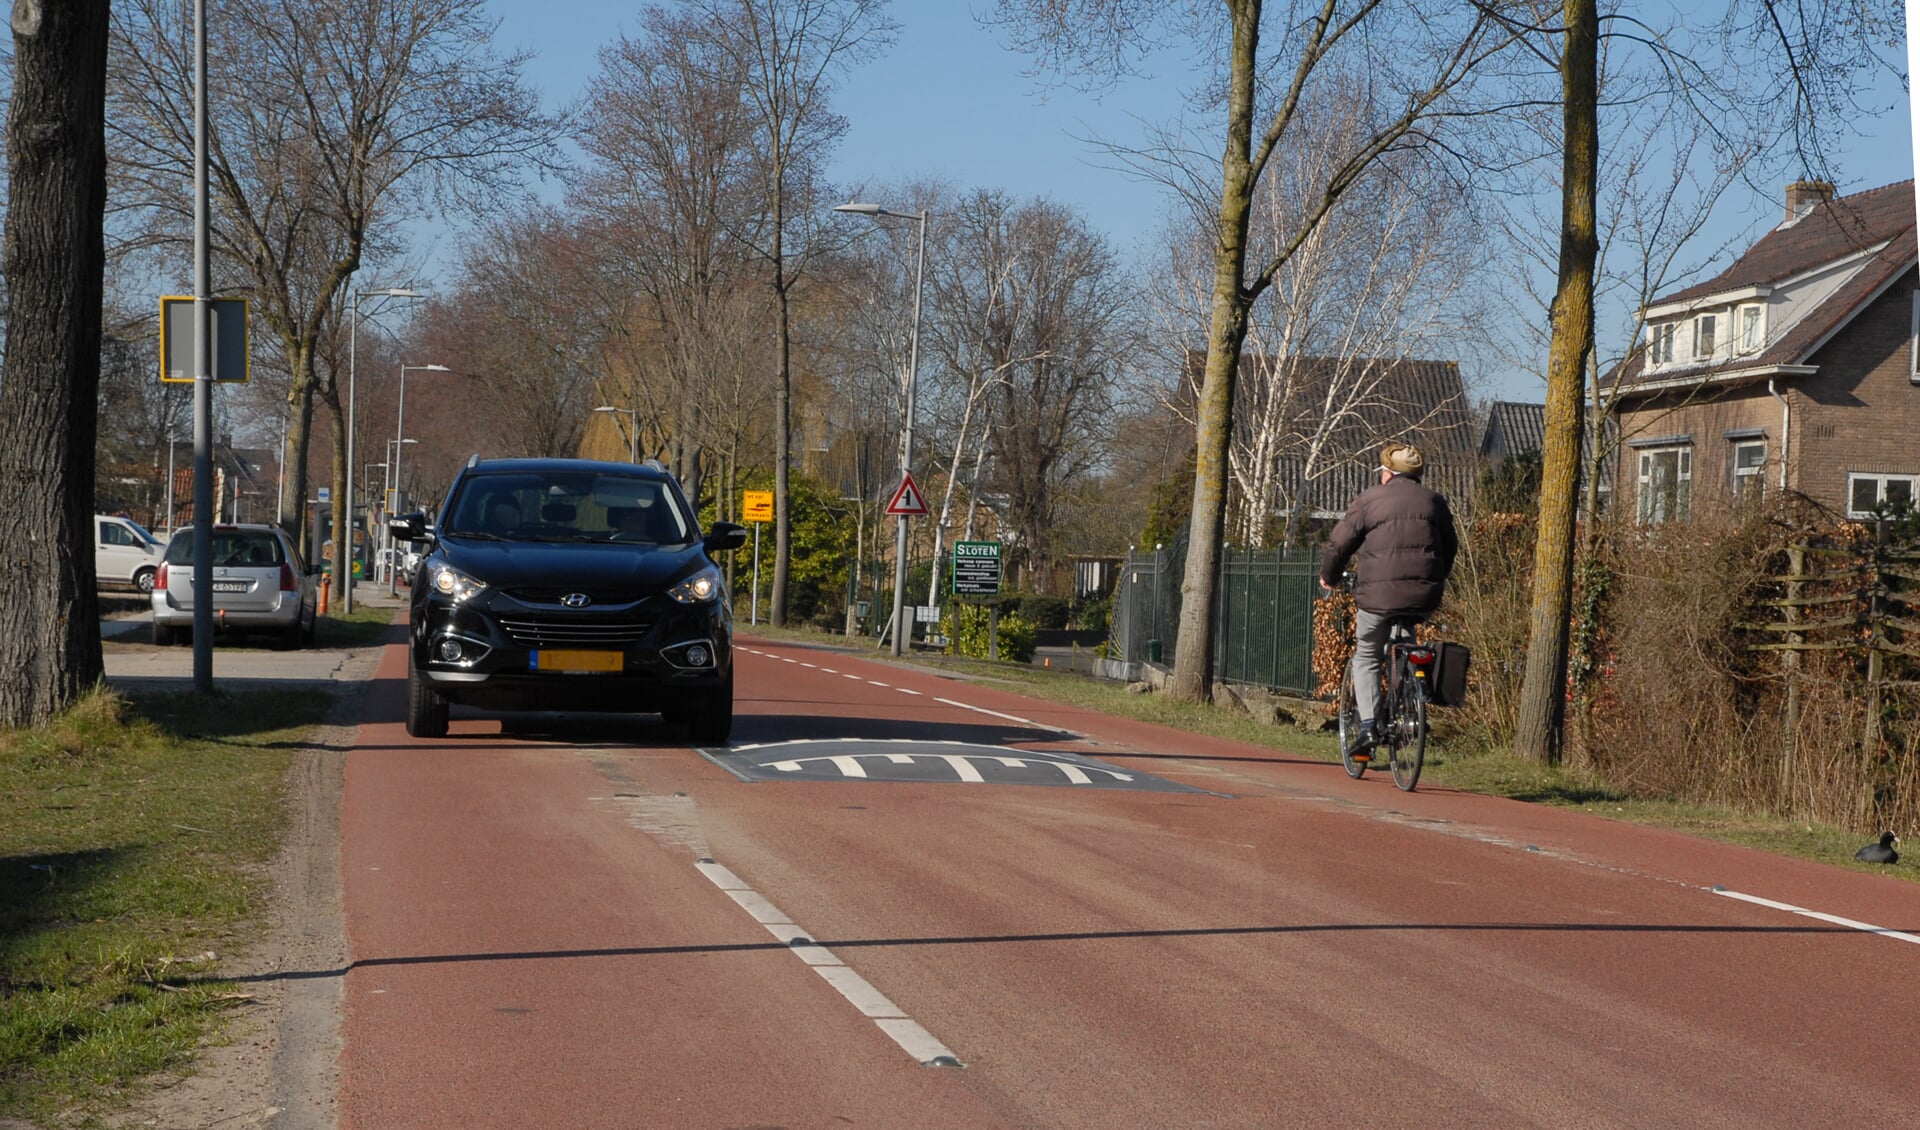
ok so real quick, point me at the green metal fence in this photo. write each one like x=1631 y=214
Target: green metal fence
x=1263 y=614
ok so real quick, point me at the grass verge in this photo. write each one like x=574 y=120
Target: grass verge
x=133 y=842
x=365 y=625
x=1487 y=772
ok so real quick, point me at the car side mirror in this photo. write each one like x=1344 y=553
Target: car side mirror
x=410 y=527
x=725 y=537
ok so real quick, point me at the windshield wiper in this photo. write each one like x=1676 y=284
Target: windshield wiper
x=482 y=535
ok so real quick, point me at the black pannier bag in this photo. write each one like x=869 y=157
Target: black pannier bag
x=1450 y=662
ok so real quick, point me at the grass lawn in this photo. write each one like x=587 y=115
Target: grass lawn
x=133 y=839
x=1493 y=773
x=366 y=625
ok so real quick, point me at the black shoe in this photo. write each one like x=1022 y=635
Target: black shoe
x=1363 y=742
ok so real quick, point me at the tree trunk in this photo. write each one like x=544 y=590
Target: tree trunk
x=341 y=575
x=293 y=479
x=54 y=258
x=783 y=412
x=1543 y=693
x=1193 y=654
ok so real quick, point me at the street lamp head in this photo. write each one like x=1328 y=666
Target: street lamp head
x=860 y=208
x=611 y=408
x=426 y=369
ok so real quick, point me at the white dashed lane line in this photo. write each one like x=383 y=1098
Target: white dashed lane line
x=1866 y=927
x=994 y=713
x=904 y=690
x=857 y=990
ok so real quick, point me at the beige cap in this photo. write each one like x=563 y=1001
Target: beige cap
x=1402 y=458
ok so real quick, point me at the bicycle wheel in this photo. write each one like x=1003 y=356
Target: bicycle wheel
x=1409 y=732
x=1350 y=727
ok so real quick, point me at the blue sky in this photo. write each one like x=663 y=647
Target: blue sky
x=950 y=101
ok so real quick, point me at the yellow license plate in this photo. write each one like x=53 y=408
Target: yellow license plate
x=551 y=660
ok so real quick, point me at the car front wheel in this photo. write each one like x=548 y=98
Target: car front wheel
x=426 y=710
x=712 y=720
x=143 y=580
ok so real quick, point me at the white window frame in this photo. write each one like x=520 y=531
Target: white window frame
x=1660 y=341
x=1913 y=343
x=1880 y=490
x=1704 y=343
x=1752 y=328
x=1755 y=477
x=1644 y=497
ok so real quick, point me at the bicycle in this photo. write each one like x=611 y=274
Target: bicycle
x=1408 y=677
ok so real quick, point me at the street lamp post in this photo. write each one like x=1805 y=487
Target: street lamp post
x=343 y=561
x=400 y=429
x=388 y=485
x=633 y=430
x=902 y=629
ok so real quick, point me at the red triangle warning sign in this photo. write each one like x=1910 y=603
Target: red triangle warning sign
x=908 y=499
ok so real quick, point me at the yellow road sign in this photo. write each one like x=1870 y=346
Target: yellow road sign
x=758 y=505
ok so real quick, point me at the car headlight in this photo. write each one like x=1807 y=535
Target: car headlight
x=699 y=588
x=453 y=583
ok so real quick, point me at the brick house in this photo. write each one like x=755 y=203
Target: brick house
x=1795 y=369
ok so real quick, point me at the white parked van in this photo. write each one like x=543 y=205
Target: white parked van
x=124 y=553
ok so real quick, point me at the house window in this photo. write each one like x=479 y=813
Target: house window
x=1666 y=483
x=1913 y=342
x=1704 y=329
x=1871 y=495
x=1748 y=463
x=1751 y=336
x=1660 y=343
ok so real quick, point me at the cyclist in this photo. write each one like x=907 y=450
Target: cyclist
x=1399 y=536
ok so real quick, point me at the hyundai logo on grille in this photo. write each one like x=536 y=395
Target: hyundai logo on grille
x=576 y=600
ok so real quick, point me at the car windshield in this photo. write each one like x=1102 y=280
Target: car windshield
x=567 y=505
x=230 y=548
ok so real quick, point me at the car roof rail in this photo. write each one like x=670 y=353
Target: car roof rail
x=654 y=465
x=473 y=459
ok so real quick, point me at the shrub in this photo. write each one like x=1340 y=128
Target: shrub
x=966 y=627
x=1043 y=611
x=1093 y=614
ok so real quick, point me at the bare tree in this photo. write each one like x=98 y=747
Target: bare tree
x=331 y=124
x=522 y=328
x=1384 y=276
x=1418 y=63
x=788 y=52
x=1797 y=69
x=674 y=179
x=54 y=262
x=1037 y=300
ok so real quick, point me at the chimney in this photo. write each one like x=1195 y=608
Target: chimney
x=1805 y=195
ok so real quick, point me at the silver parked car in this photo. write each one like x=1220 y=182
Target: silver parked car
x=260 y=584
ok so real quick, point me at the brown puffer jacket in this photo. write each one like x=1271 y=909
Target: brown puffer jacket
x=1399 y=536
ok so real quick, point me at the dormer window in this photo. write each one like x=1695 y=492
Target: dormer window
x=1752 y=334
x=1705 y=327
x=1660 y=344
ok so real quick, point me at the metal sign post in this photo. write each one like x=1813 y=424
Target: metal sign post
x=202 y=374
x=756 y=507
x=907 y=502
x=976 y=575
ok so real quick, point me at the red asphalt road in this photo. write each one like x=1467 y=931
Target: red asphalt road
x=533 y=945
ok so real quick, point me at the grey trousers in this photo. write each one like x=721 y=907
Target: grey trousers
x=1370 y=632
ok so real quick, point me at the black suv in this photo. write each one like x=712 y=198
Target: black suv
x=564 y=584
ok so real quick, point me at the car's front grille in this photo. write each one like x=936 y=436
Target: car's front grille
x=552 y=595
x=556 y=631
